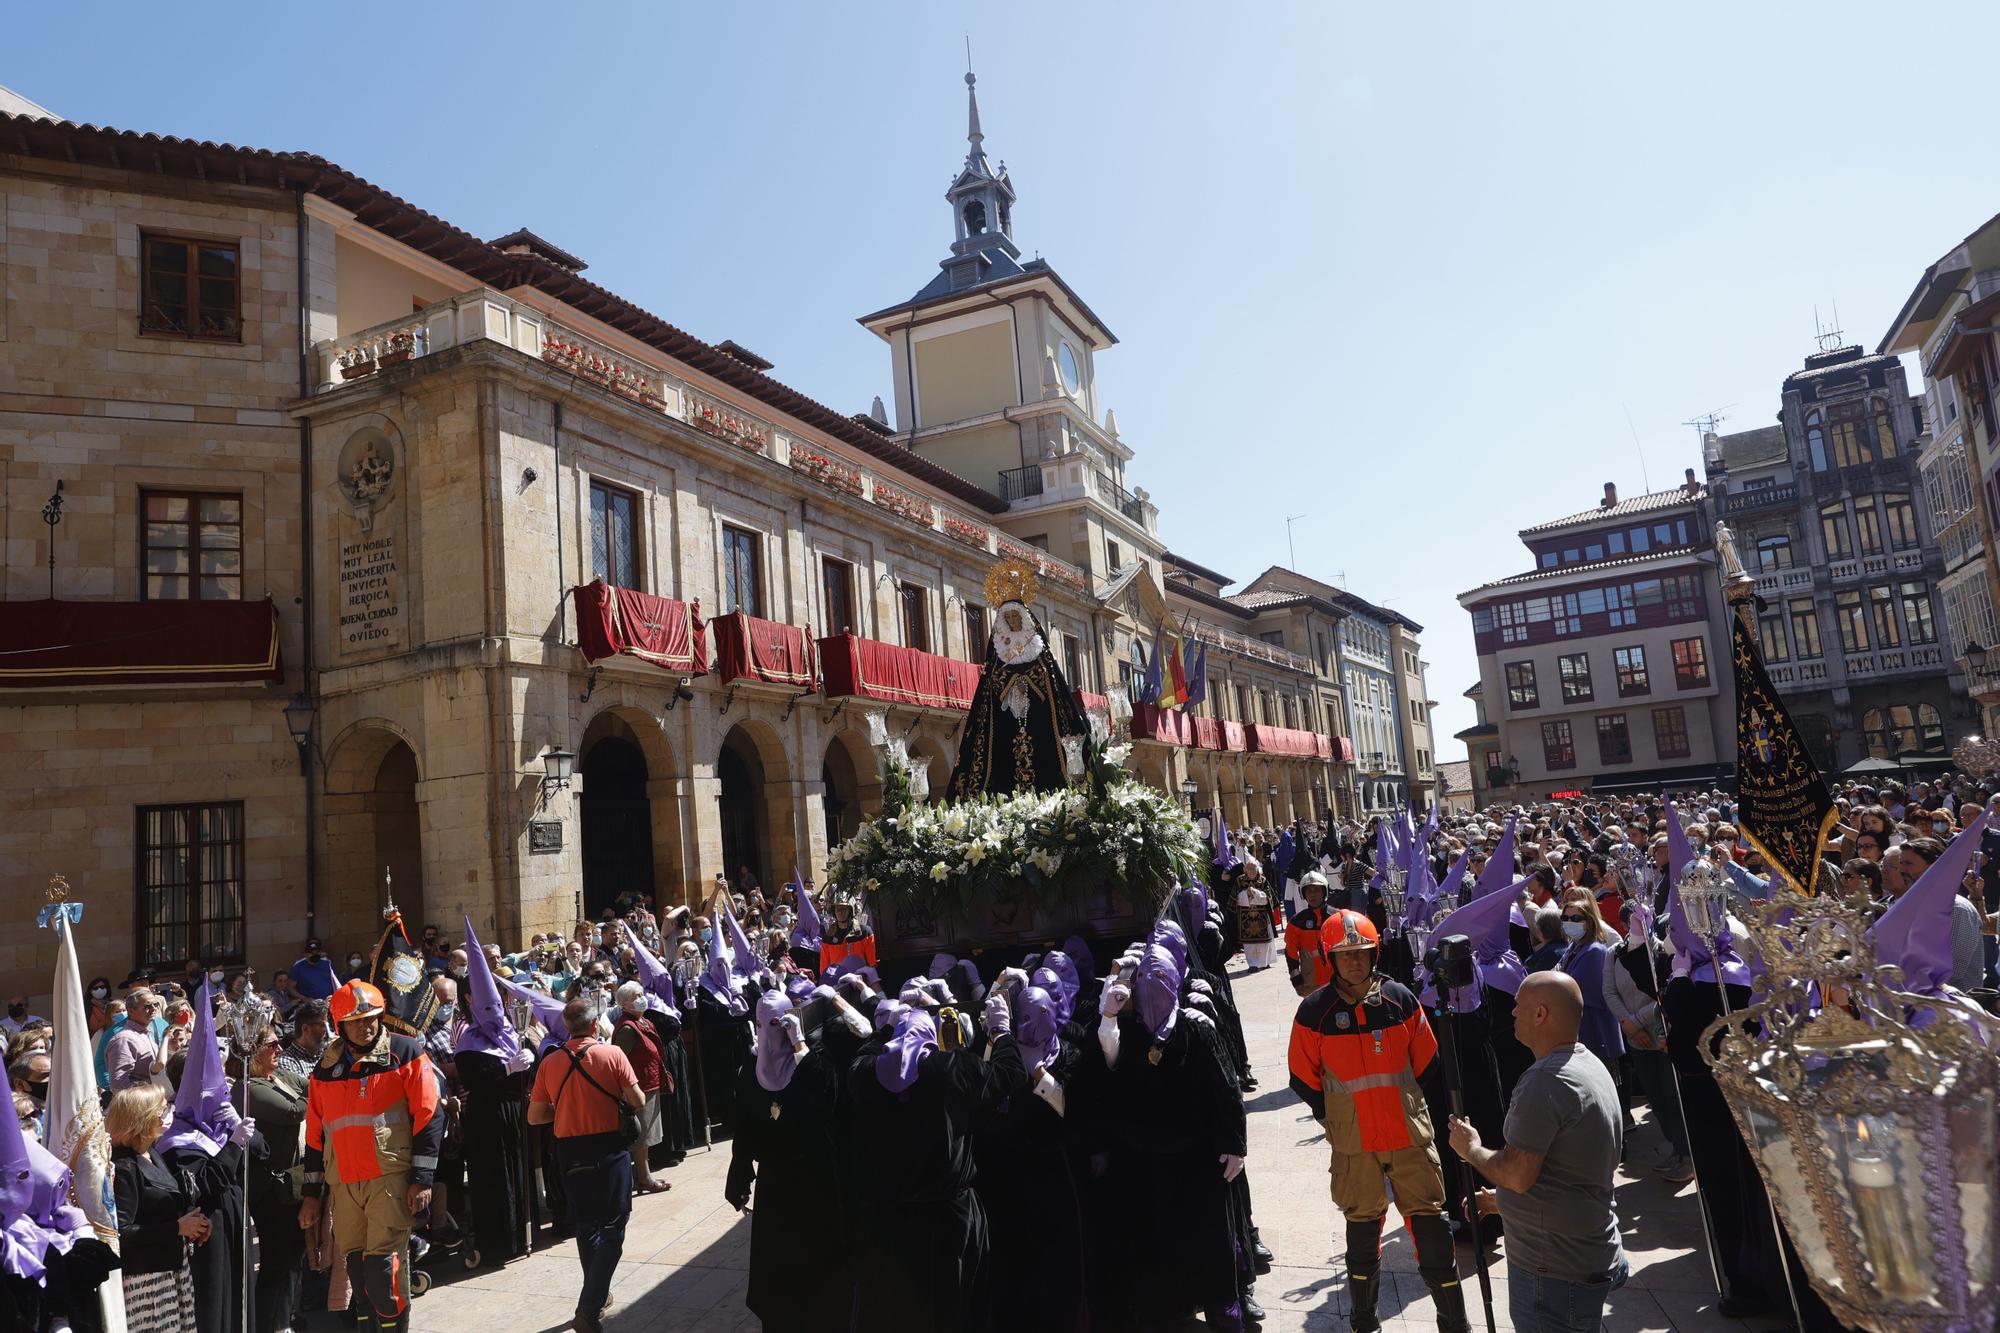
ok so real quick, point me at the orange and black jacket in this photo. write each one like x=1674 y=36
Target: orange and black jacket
x=372 y=1113
x=1302 y=942
x=1360 y=1067
x=859 y=942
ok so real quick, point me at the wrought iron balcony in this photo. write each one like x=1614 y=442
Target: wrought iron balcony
x=1021 y=483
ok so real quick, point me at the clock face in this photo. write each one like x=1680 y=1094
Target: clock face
x=1203 y=827
x=1072 y=373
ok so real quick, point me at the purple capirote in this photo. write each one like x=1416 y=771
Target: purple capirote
x=1037 y=1028
x=1157 y=991
x=913 y=1037
x=776 y=1060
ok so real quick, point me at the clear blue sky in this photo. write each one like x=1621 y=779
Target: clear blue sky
x=1404 y=269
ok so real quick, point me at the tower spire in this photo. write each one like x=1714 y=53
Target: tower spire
x=975 y=157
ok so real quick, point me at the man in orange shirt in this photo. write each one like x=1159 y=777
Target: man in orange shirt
x=577 y=1089
x=1302 y=942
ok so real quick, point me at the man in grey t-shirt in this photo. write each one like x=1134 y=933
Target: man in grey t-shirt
x=1564 y=1138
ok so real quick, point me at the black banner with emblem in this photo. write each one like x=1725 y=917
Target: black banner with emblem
x=398 y=972
x=1783 y=806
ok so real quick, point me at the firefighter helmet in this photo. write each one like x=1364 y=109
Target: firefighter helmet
x=1347 y=930
x=355 y=999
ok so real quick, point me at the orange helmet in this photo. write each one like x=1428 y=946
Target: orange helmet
x=1347 y=930
x=355 y=999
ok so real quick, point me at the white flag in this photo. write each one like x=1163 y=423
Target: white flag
x=75 y=1121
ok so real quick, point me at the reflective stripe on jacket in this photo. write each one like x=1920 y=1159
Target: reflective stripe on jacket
x=372 y=1113
x=1359 y=1065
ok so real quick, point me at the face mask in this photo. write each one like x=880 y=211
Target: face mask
x=355 y=962
x=39 y=1091
x=707 y=937
x=99 y=992
x=1940 y=828
x=1895 y=840
x=16 y=1010
x=215 y=978
x=458 y=973
x=1573 y=930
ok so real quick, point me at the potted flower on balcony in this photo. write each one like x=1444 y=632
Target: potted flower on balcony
x=356 y=362
x=402 y=345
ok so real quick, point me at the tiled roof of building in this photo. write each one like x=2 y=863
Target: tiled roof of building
x=1585 y=567
x=1648 y=503
x=402 y=221
x=1456 y=774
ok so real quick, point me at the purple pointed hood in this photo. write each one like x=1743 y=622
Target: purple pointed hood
x=941 y=963
x=1081 y=958
x=1454 y=878
x=965 y=983
x=487 y=1029
x=1915 y=932
x=203 y=1116
x=1421 y=888
x=721 y=977
x=1224 y=858
x=547 y=1009
x=1052 y=984
x=1058 y=961
x=806 y=930
x=744 y=964
x=1157 y=991
x=34 y=1203
x=1485 y=921
x=1702 y=967
x=1168 y=935
x=1385 y=856
x=776 y=1060
x=1499 y=872
x=654 y=975
x=913 y=1036
x=1037 y=1027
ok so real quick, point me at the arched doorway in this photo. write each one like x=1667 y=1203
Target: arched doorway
x=746 y=822
x=617 y=819
x=372 y=826
x=399 y=850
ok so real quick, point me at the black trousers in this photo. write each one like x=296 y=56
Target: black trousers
x=281 y=1248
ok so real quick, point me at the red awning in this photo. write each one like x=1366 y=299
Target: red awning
x=1233 y=738
x=1207 y=733
x=875 y=670
x=1283 y=741
x=611 y=621
x=747 y=647
x=1340 y=749
x=1168 y=726
x=45 y=644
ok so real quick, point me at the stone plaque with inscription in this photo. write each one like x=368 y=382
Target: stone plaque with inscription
x=368 y=606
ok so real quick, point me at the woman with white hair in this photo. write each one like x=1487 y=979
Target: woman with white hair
x=632 y=1034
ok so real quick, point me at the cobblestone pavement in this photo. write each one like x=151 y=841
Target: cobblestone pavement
x=687 y=1253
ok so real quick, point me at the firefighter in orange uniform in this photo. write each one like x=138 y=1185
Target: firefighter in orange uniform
x=1360 y=1045
x=1303 y=958
x=372 y=1137
x=849 y=938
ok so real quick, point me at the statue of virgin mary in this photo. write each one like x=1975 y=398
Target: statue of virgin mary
x=1023 y=709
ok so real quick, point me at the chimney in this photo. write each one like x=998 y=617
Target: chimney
x=1610 y=494
x=1691 y=486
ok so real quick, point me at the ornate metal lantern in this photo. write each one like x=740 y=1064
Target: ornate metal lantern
x=1636 y=868
x=1393 y=880
x=1704 y=895
x=1870 y=1114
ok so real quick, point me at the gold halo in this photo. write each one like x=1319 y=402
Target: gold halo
x=1011 y=581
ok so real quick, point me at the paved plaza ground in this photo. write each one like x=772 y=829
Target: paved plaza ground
x=687 y=1252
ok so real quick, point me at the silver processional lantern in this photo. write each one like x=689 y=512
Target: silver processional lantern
x=1870 y=1113
x=1635 y=867
x=1704 y=895
x=1393 y=880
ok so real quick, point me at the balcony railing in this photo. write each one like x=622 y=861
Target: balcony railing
x=1021 y=482
x=1255 y=649
x=1761 y=497
x=1778 y=582
x=1120 y=499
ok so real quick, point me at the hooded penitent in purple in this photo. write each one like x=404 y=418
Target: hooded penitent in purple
x=805 y=922
x=203 y=1116
x=798 y=987
x=653 y=974
x=1385 y=856
x=548 y=1010
x=1169 y=936
x=965 y=983
x=1454 y=878
x=1735 y=971
x=1156 y=991
x=1051 y=984
x=35 y=1213
x=1081 y=956
x=912 y=1037
x=1058 y=962
x=1224 y=858
x=1420 y=889
x=941 y=963
x=486 y=1029
x=1036 y=1027
x=1915 y=933
x=722 y=977
x=1499 y=872
x=1484 y=921
x=743 y=962
x=776 y=1060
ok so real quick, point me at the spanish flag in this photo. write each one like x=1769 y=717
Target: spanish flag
x=1172 y=675
x=1783 y=806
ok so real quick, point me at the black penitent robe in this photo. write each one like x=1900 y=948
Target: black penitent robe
x=677 y=1115
x=785 y=1143
x=1028 y=1155
x=217 y=1263
x=920 y=1231
x=493 y=1126
x=726 y=1046
x=1014 y=729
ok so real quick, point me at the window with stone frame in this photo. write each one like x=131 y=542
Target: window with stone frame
x=742 y=570
x=1558 y=746
x=1575 y=670
x=1073 y=662
x=1917 y=616
x=975 y=633
x=1521 y=691
x=614 y=535
x=1614 y=739
x=1867 y=528
x=192 y=546
x=1902 y=517
x=1771 y=634
x=1852 y=618
x=190 y=288
x=1833 y=531
x=1882 y=616
x=1850 y=439
x=1805 y=626
x=1690 y=663
x=836 y=578
x=1774 y=552
x=914 y=600
x=1670 y=732
x=1885 y=431
x=190 y=884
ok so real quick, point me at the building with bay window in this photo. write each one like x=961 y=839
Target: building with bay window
x=1829 y=516
x=1605 y=666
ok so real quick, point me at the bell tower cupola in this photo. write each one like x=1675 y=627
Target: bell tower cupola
x=982 y=205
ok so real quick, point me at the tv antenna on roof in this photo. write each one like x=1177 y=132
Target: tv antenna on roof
x=1705 y=424
x=1828 y=336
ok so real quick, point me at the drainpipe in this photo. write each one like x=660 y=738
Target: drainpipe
x=562 y=580
x=306 y=564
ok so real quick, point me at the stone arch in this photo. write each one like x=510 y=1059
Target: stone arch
x=928 y=752
x=357 y=752
x=756 y=795
x=851 y=782
x=628 y=808
x=374 y=834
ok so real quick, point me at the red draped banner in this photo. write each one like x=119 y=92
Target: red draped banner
x=1232 y=737
x=610 y=621
x=1207 y=733
x=1284 y=741
x=884 y=671
x=45 y=644
x=747 y=647
x=1169 y=726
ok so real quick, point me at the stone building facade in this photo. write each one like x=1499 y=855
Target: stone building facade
x=348 y=494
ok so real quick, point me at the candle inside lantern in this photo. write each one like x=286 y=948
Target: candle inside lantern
x=1886 y=1236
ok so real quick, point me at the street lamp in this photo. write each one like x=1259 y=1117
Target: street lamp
x=1976 y=655
x=558 y=766
x=299 y=722
x=1188 y=789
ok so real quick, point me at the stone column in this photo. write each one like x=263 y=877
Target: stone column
x=669 y=798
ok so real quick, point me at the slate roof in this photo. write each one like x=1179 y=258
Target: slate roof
x=1650 y=502
x=1753 y=448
